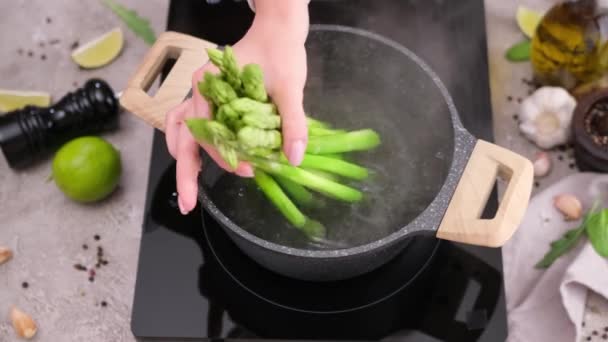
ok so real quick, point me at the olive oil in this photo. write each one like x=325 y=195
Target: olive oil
x=569 y=44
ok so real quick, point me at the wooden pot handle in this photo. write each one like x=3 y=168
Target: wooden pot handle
x=462 y=222
x=190 y=55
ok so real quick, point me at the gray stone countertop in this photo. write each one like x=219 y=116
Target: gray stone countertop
x=47 y=231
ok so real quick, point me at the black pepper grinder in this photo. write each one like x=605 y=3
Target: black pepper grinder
x=30 y=134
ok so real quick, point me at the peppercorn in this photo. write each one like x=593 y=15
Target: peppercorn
x=80 y=267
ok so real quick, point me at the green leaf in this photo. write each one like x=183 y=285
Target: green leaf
x=561 y=246
x=567 y=242
x=597 y=231
x=140 y=26
x=519 y=52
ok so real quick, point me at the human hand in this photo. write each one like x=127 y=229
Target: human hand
x=275 y=41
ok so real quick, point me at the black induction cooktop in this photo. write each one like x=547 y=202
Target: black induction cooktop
x=193 y=283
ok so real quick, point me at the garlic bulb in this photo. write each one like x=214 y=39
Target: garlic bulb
x=546 y=116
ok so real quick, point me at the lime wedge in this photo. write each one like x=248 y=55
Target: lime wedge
x=99 y=51
x=14 y=99
x=528 y=20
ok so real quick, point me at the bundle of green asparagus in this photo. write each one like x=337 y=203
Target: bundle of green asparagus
x=246 y=127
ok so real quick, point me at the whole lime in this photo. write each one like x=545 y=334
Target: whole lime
x=87 y=169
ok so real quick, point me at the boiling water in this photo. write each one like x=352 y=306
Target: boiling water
x=357 y=81
x=403 y=181
x=347 y=224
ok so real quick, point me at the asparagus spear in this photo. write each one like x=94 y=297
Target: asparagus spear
x=336 y=166
x=216 y=90
x=230 y=69
x=326 y=175
x=246 y=127
x=319 y=131
x=215 y=56
x=331 y=165
x=297 y=192
x=280 y=200
x=309 y=180
x=264 y=121
x=310 y=122
x=253 y=83
x=360 y=140
x=253 y=137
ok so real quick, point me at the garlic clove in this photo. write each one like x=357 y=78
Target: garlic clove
x=569 y=205
x=5 y=254
x=24 y=325
x=542 y=164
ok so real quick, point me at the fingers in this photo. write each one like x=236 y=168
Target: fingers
x=289 y=100
x=201 y=108
x=196 y=106
x=172 y=123
x=187 y=168
x=243 y=169
x=188 y=165
x=185 y=149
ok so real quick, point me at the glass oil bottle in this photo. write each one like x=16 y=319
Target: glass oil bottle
x=569 y=47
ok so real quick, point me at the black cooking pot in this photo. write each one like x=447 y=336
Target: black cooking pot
x=428 y=176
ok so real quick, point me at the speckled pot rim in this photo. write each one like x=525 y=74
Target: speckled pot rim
x=427 y=221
